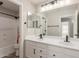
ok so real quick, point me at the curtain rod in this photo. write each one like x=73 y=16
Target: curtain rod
x=16 y=17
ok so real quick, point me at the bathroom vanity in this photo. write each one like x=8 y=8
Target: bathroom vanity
x=55 y=26
x=55 y=47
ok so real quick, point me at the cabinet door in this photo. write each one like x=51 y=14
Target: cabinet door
x=28 y=50
x=31 y=51
x=42 y=52
x=34 y=51
x=58 y=55
x=57 y=52
x=71 y=52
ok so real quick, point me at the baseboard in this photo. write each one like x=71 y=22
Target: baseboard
x=5 y=51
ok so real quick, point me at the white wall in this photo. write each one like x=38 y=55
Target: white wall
x=24 y=8
x=54 y=18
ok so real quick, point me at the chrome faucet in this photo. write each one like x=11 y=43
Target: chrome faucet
x=67 y=39
x=41 y=36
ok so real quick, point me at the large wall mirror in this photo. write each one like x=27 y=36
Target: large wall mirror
x=63 y=21
x=56 y=22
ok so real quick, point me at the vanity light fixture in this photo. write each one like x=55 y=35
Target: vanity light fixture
x=52 y=2
x=50 y=5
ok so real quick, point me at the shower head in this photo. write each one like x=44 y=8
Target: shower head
x=1 y=2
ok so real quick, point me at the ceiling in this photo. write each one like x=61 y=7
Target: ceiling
x=37 y=2
x=14 y=7
x=9 y=5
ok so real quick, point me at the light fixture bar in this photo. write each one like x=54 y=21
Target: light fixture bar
x=52 y=2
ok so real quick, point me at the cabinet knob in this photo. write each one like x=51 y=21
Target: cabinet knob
x=34 y=51
x=40 y=56
x=54 y=55
x=40 y=50
x=24 y=22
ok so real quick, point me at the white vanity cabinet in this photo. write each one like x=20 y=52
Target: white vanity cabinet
x=61 y=52
x=29 y=50
x=58 y=55
x=57 y=52
x=35 y=50
x=40 y=50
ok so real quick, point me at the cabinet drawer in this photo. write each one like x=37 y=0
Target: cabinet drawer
x=42 y=51
x=71 y=52
x=35 y=50
x=58 y=55
x=65 y=51
x=55 y=49
x=40 y=45
x=42 y=56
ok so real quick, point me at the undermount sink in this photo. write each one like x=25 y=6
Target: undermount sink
x=66 y=43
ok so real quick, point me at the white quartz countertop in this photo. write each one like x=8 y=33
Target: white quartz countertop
x=57 y=41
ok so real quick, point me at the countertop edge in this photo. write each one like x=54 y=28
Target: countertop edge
x=53 y=45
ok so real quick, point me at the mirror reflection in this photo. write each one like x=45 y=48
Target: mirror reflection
x=67 y=26
x=37 y=24
x=56 y=22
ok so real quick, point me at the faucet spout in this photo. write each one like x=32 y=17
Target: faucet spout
x=67 y=39
x=41 y=36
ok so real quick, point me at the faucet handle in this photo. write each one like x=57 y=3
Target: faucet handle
x=41 y=36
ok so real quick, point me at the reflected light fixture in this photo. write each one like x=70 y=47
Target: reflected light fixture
x=52 y=2
x=51 y=5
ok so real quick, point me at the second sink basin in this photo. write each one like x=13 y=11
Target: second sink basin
x=66 y=43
